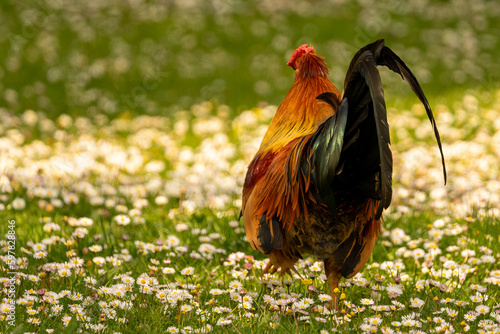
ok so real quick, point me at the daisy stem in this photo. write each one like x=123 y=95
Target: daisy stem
x=236 y=329
x=295 y=319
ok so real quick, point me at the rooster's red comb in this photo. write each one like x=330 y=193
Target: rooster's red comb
x=299 y=52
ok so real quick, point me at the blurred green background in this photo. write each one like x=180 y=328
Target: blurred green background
x=89 y=57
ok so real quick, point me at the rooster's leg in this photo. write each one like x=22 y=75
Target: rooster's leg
x=269 y=267
x=332 y=271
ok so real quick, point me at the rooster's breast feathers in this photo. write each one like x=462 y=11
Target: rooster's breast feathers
x=276 y=185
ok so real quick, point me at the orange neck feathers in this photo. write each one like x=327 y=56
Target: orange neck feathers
x=300 y=114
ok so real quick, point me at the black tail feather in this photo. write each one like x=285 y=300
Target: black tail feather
x=370 y=154
x=392 y=61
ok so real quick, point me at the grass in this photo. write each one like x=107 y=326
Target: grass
x=145 y=312
x=103 y=241
x=88 y=57
x=125 y=135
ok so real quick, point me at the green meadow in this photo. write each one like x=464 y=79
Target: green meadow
x=126 y=128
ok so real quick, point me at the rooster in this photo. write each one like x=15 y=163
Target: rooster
x=323 y=173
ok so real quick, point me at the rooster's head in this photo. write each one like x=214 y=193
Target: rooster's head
x=306 y=63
